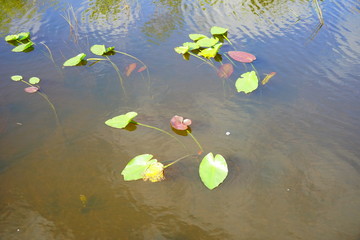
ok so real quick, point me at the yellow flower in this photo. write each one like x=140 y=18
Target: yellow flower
x=154 y=173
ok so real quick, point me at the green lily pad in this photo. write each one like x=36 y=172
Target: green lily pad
x=207 y=42
x=210 y=52
x=34 y=80
x=135 y=168
x=195 y=37
x=22 y=47
x=218 y=30
x=9 y=38
x=213 y=170
x=121 y=121
x=74 y=60
x=23 y=35
x=181 y=49
x=247 y=82
x=16 y=78
x=191 y=45
x=101 y=49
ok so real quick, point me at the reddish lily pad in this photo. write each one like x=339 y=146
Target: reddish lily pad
x=31 y=89
x=179 y=123
x=225 y=70
x=243 y=57
x=130 y=68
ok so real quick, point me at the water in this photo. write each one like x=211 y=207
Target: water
x=293 y=149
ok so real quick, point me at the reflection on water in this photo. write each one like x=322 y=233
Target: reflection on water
x=292 y=151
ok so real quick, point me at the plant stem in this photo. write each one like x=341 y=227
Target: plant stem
x=207 y=62
x=118 y=73
x=177 y=160
x=197 y=142
x=227 y=39
x=163 y=131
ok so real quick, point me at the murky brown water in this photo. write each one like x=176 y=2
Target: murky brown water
x=293 y=149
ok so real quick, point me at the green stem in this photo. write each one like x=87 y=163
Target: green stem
x=118 y=73
x=207 y=62
x=163 y=131
x=177 y=160
x=96 y=59
x=197 y=142
x=227 y=39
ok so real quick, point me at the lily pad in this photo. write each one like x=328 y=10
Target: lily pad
x=195 y=37
x=16 y=78
x=9 y=38
x=74 y=60
x=136 y=167
x=213 y=170
x=243 y=57
x=34 y=80
x=23 y=36
x=31 y=89
x=181 y=49
x=218 y=30
x=121 y=121
x=225 y=70
x=207 y=42
x=191 y=45
x=211 y=51
x=22 y=47
x=247 y=82
x=100 y=49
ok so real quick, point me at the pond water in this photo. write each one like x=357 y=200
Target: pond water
x=293 y=150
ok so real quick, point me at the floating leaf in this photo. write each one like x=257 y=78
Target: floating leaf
x=16 y=78
x=31 y=89
x=23 y=35
x=143 y=68
x=207 y=42
x=34 y=80
x=196 y=37
x=121 y=121
x=243 y=57
x=130 y=68
x=179 y=123
x=154 y=172
x=98 y=49
x=9 y=38
x=218 y=30
x=22 y=47
x=267 y=77
x=210 y=52
x=225 y=70
x=213 y=170
x=247 y=82
x=191 y=45
x=136 y=167
x=74 y=60
x=181 y=49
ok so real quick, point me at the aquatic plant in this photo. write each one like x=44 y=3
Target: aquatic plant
x=21 y=41
x=105 y=52
x=33 y=87
x=212 y=170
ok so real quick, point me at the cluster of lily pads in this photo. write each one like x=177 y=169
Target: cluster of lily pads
x=21 y=40
x=212 y=169
x=207 y=48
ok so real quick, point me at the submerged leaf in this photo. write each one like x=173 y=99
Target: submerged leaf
x=143 y=68
x=22 y=47
x=121 y=121
x=181 y=49
x=154 y=172
x=213 y=170
x=16 y=78
x=195 y=37
x=74 y=60
x=136 y=167
x=218 y=30
x=267 y=77
x=34 y=80
x=243 y=57
x=207 y=42
x=247 y=82
x=31 y=89
x=225 y=70
x=130 y=68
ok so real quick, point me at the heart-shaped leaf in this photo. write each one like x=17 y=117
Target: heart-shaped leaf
x=181 y=49
x=191 y=45
x=23 y=35
x=121 y=121
x=136 y=167
x=247 y=82
x=213 y=170
x=98 y=49
x=211 y=51
x=243 y=57
x=31 y=89
x=218 y=30
x=195 y=37
x=225 y=70
x=34 y=80
x=74 y=60
x=22 y=47
x=16 y=78
x=207 y=42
